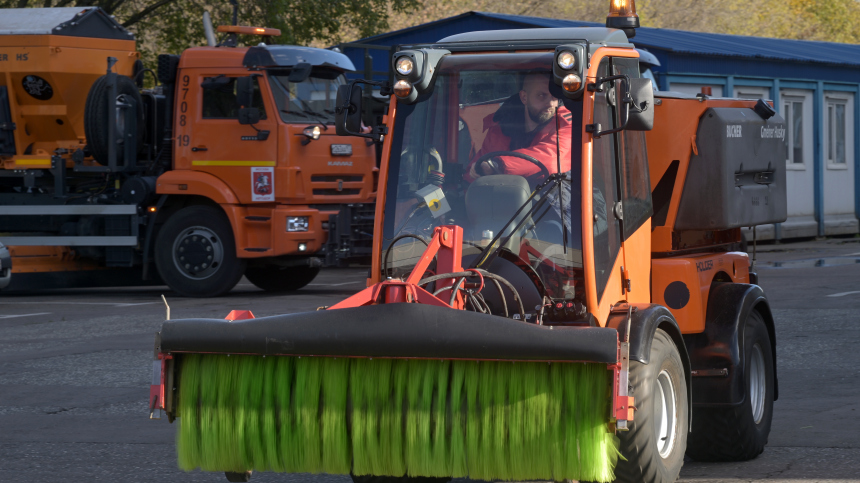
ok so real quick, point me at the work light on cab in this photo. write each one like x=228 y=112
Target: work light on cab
x=566 y=60
x=572 y=82
x=402 y=88
x=311 y=133
x=405 y=66
x=622 y=15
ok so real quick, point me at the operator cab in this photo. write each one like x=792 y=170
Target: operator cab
x=475 y=112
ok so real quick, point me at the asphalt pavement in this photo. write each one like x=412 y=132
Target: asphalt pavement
x=75 y=369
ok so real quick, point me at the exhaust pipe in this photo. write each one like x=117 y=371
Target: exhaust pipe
x=207 y=28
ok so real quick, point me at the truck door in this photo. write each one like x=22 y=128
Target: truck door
x=621 y=201
x=210 y=138
x=634 y=188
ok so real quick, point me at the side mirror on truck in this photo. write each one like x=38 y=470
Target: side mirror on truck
x=640 y=110
x=633 y=99
x=245 y=97
x=348 y=110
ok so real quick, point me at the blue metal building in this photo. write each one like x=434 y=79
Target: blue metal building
x=814 y=85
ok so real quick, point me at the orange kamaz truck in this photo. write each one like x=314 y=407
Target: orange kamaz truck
x=229 y=166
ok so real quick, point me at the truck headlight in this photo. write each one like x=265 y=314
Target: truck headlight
x=405 y=66
x=402 y=88
x=297 y=223
x=566 y=60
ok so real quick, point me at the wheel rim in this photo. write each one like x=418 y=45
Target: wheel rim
x=758 y=384
x=665 y=414
x=198 y=253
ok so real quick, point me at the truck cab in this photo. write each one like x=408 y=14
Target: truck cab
x=228 y=166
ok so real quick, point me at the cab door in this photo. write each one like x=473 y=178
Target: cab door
x=621 y=206
x=210 y=138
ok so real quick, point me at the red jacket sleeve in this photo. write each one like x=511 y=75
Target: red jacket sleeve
x=543 y=149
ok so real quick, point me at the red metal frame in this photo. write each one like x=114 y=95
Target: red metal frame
x=446 y=247
x=156 y=391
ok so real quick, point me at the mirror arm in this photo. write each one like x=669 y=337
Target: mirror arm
x=385 y=89
x=627 y=100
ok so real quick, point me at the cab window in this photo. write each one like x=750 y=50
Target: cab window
x=219 y=98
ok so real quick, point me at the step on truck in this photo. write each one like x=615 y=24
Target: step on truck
x=228 y=166
x=555 y=292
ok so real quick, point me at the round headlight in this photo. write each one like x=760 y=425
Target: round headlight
x=566 y=60
x=402 y=88
x=571 y=82
x=404 y=66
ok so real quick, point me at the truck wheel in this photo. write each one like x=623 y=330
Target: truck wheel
x=195 y=253
x=96 y=118
x=740 y=433
x=281 y=279
x=398 y=479
x=654 y=445
x=235 y=476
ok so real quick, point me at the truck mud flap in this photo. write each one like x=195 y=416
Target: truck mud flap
x=392 y=331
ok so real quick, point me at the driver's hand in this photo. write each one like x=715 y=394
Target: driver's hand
x=484 y=169
x=473 y=173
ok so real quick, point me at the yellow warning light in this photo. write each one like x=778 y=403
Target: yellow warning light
x=152 y=209
x=245 y=30
x=622 y=15
x=622 y=8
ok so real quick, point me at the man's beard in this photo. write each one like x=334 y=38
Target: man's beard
x=541 y=116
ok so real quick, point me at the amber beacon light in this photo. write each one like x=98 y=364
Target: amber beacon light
x=622 y=15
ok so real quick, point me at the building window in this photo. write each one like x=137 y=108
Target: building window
x=836 y=131
x=793 y=112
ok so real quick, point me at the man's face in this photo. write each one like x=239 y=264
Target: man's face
x=540 y=104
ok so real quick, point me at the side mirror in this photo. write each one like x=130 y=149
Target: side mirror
x=249 y=115
x=640 y=114
x=348 y=110
x=245 y=91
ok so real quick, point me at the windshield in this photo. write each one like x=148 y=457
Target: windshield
x=311 y=100
x=476 y=149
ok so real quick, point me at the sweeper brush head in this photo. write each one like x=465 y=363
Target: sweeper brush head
x=483 y=420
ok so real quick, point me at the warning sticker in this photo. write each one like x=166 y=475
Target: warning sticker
x=262 y=184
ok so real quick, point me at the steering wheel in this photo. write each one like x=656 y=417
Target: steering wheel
x=544 y=171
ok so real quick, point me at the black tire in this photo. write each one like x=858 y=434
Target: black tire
x=281 y=279
x=183 y=244
x=96 y=117
x=732 y=433
x=398 y=479
x=235 y=476
x=639 y=445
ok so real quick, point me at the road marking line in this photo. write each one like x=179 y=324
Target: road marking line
x=335 y=284
x=23 y=315
x=842 y=294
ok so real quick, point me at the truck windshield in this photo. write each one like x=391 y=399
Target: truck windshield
x=472 y=152
x=312 y=100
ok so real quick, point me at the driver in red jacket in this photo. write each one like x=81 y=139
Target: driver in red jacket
x=526 y=123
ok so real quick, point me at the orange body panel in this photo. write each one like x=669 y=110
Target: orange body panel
x=70 y=65
x=376 y=275
x=682 y=284
x=49 y=259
